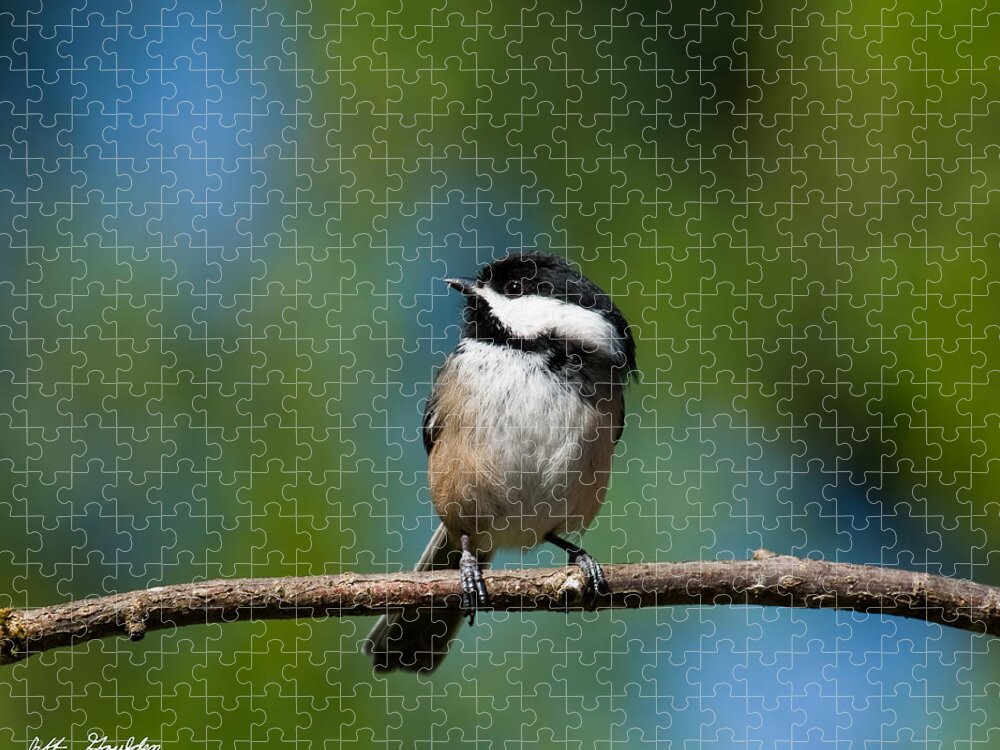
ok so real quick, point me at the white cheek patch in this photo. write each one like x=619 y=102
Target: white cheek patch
x=532 y=316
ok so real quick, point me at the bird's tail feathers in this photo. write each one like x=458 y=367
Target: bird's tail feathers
x=418 y=641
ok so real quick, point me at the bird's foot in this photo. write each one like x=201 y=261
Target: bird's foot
x=474 y=595
x=596 y=583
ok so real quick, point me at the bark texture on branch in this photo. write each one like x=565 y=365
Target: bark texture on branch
x=768 y=579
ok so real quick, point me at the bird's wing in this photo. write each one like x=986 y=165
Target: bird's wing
x=618 y=414
x=432 y=422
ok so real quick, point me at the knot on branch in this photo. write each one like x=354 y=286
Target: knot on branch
x=135 y=621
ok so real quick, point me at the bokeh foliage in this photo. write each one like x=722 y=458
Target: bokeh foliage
x=221 y=234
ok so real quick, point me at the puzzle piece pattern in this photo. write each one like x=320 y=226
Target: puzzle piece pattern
x=221 y=229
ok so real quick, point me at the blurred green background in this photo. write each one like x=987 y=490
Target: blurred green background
x=222 y=230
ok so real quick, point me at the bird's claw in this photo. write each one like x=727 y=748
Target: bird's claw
x=474 y=595
x=597 y=584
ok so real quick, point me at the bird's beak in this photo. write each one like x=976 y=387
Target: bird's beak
x=464 y=285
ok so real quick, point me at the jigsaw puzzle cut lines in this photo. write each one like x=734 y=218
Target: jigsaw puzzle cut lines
x=223 y=230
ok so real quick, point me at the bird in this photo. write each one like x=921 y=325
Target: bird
x=520 y=429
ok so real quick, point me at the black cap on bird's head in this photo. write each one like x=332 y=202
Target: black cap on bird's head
x=538 y=300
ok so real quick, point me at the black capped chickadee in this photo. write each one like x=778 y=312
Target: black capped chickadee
x=520 y=429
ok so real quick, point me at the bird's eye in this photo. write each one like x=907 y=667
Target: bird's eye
x=512 y=288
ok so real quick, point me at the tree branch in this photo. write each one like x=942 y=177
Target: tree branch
x=768 y=579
